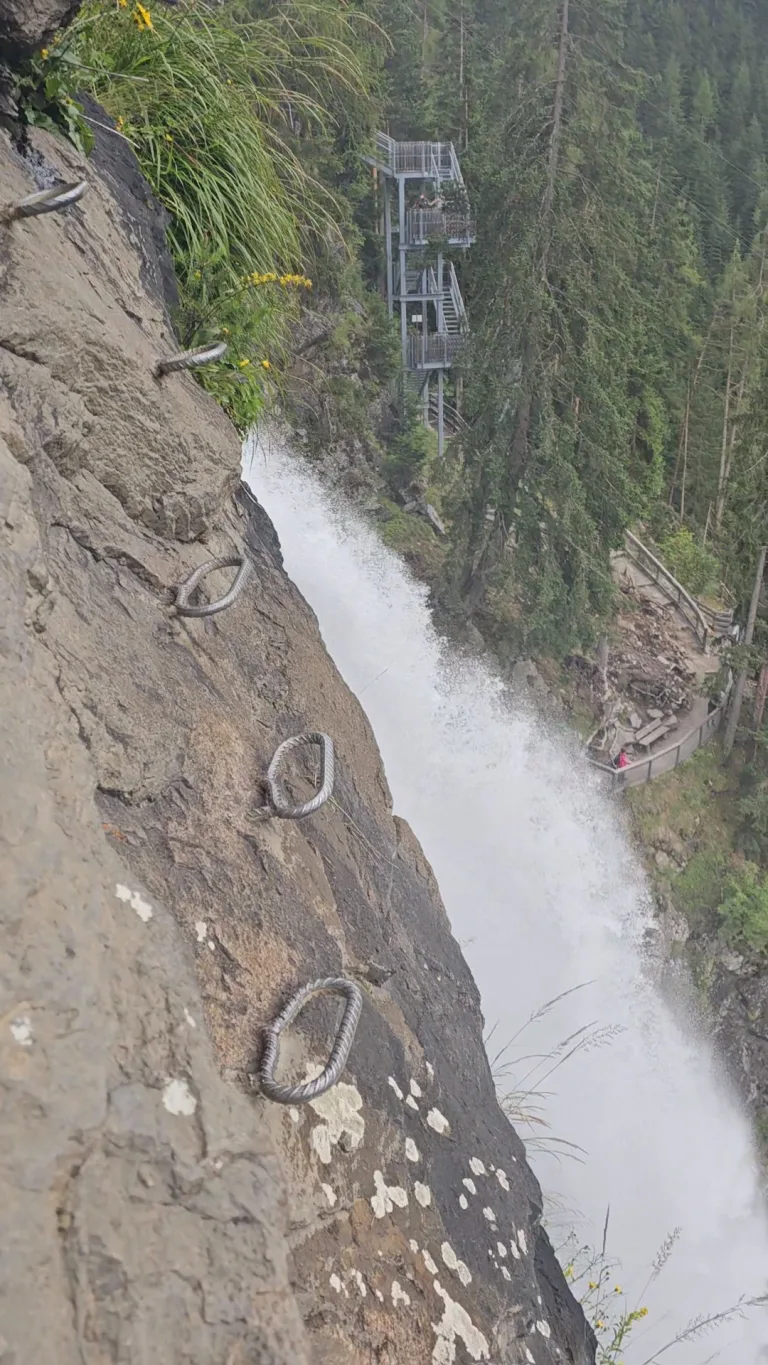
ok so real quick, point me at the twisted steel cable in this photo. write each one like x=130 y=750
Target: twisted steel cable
x=190 y=360
x=279 y=803
x=45 y=201
x=185 y=589
x=331 y=1073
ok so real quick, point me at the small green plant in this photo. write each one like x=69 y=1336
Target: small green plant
x=698 y=888
x=45 y=92
x=251 y=319
x=692 y=563
x=743 y=912
x=407 y=448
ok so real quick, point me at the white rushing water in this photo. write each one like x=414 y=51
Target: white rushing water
x=545 y=895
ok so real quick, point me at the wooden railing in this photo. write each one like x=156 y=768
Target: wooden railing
x=688 y=607
x=645 y=769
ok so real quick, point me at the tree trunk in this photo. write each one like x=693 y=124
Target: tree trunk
x=734 y=715
x=554 y=141
x=720 y=502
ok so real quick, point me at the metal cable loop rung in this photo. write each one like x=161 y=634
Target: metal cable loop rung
x=279 y=803
x=185 y=589
x=45 y=201
x=299 y=1094
x=190 y=360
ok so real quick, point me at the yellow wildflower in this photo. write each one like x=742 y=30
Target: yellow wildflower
x=242 y=363
x=642 y=1312
x=617 y=1289
x=225 y=331
x=44 y=52
x=169 y=137
x=142 y=17
x=592 y=1284
x=196 y=275
x=266 y=365
x=122 y=3
x=599 y=1324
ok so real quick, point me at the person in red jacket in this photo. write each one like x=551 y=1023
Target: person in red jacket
x=621 y=760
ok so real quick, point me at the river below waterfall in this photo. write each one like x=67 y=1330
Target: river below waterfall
x=547 y=899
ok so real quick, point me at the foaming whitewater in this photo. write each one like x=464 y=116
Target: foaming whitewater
x=545 y=895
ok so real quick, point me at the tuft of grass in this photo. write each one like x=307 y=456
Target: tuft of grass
x=223 y=105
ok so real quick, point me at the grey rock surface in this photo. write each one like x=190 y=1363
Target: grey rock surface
x=27 y=24
x=153 y=1207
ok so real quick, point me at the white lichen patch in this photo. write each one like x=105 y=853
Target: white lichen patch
x=178 y=1098
x=453 y=1263
x=489 y=1214
x=362 y=1287
x=430 y=1071
x=392 y=1083
x=330 y=1194
x=543 y=1328
x=339 y=1109
x=502 y=1250
x=379 y=1295
x=469 y=1185
x=476 y=1166
x=456 y=1324
x=514 y=1250
x=438 y=1122
x=413 y=1244
x=529 y=1357
x=505 y=1273
x=387 y=1196
x=201 y=929
x=21 y=1030
x=463 y=1201
x=335 y=1283
x=189 y=1018
x=501 y=1176
x=416 y=1089
x=429 y=1263
x=320 y=1140
x=399 y=1295
x=135 y=900
x=522 y=1241
x=423 y=1194
x=411 y=1150
x=411 y=1103
x=294 y=1115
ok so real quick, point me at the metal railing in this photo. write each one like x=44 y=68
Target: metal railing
x=456 y=295
x=645 y=769
x=454 y=422
x=424 y=225
x=438 y=350
x=688 y=606
x=431 y=160
x=719 y=621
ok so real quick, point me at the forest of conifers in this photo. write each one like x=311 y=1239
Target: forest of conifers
x=615 y=155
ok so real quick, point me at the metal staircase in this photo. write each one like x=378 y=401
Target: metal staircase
x=433 y=322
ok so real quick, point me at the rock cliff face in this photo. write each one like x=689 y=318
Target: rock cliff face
x=153 y=1206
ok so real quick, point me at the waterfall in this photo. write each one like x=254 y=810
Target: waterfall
x=546 y=896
